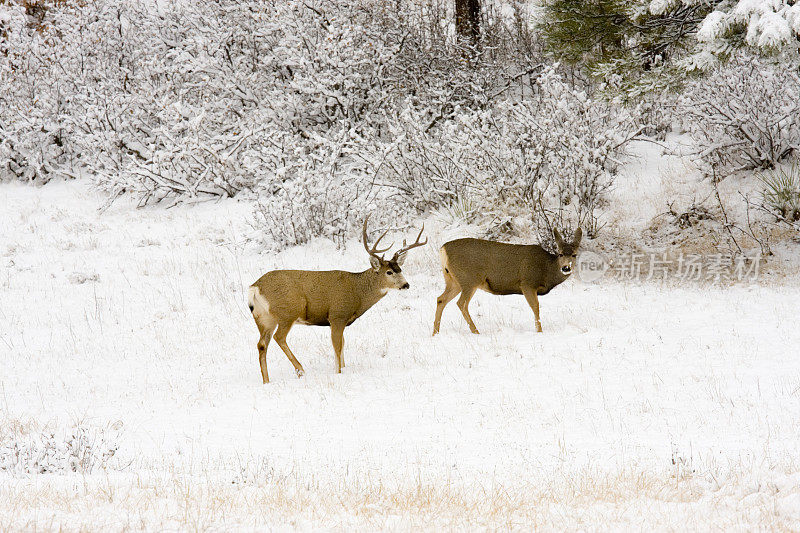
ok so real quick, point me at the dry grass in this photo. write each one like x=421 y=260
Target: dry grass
x=204 y=502
x=13 y=426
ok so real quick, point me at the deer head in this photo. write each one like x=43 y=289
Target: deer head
x=567 y=252
x=389 y=273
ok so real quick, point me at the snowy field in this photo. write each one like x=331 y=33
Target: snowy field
x=639 y=407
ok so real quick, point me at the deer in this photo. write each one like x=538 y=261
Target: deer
x=501 y=268
x=335 y=298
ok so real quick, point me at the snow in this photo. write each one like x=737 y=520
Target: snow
x=640 y=406
x=659 y=7
x=711 y=27
x=655 y=174
x=770 y=24
x=793 y=17
x=745 y=8
x=773 y=31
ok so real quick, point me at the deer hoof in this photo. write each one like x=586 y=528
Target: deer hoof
x=300 y=372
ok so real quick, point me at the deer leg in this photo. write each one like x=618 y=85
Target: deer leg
x=265 y=330
x=451 y=290
x=280 y=338
x=337 y=339
x=533 y=301
x=463 y=304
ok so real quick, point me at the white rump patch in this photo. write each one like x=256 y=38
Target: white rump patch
x=258 y=304
x=443 y=258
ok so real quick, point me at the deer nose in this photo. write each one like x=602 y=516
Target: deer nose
x=405 y=285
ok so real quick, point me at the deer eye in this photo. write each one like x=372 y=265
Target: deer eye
x=389 y=272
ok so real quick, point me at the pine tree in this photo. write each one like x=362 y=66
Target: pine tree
x=616 y=37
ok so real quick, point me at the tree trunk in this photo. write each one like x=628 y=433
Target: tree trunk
x=468 y=20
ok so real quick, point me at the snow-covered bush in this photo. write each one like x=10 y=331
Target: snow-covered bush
x=322 y=194
x=551 y=156
x=744 y=115
x=308 y=207
x=323 y=109
x=32 y=100
x=180 y=99
x=204 y=104
x=189 y=98
x=80 y=449
x=434 y=73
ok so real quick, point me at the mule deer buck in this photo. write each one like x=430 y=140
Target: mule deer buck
x=500 y=268
x=334 y=298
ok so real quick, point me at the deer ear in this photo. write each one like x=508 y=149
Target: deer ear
x=375 y=262
x=576 y=240
x=557 y=235
x=401 y=258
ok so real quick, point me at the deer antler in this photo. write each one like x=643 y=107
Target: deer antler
x=402 y=251
x=373 y=251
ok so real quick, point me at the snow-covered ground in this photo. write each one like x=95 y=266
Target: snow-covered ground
x=639 y=407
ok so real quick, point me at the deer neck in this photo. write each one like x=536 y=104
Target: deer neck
x=371 y=292
x=553 y=275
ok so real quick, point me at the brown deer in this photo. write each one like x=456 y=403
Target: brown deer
x=334 y=298
x=501 y=268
